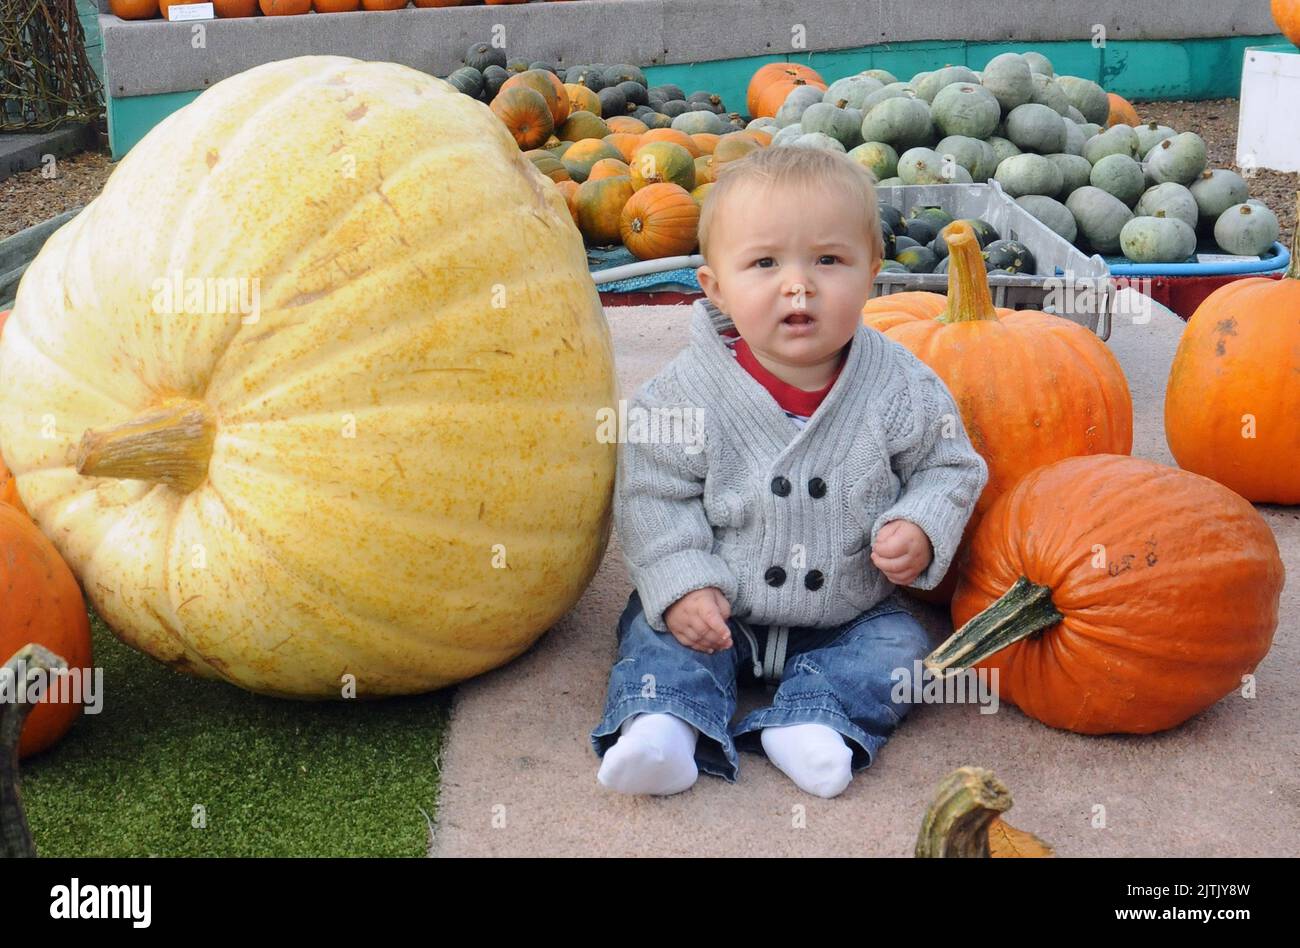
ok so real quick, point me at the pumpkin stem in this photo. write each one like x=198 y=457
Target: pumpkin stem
x=1021 y=611
x=957 y=823
x=968 y=286
x=15 y=834
x=1293 y=271
x=170 y=444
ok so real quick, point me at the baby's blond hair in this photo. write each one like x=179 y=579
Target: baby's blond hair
x=793 y=167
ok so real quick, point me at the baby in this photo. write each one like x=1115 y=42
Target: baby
x=834 y=467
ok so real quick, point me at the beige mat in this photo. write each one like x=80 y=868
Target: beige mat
x=519 y=774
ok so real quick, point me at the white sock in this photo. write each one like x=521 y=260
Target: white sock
x=655 y=754
x=814 y=756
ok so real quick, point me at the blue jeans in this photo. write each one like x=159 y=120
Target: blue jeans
x=840 y=677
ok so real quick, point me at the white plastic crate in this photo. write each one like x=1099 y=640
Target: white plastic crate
x=1268 y=126
x=1059 y=261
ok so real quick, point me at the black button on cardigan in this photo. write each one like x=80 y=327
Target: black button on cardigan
x=775 y=576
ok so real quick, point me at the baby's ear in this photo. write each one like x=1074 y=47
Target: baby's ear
x=709 y=284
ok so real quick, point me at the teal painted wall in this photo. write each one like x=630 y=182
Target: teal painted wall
x=1145 y=69
x=88 y=14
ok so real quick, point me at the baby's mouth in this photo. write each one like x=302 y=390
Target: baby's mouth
x=797 y=319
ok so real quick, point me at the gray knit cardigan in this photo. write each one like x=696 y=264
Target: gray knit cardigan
x=781 y=519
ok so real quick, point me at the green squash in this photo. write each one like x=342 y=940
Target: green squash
x=1169 y=200
x=1010 y=79
x=1248 y=229
x=1157 y=240
x=798 y=100
x=923 y=166
x=1036 y=128
x=1216 y=191
x=918 y=259
x=1181 y=159
x=1029 y=174
x=481 y=55
x=878 y=158
x=890 y=183
x=1121 y=176
x=975 y=156
x=965 y=109
x=880 y=75
x=1086 y=96
x=467 y=80
x=1076 y=172
x=787 y=136
x=930 y=86
x=1048 y=93
x=901 y=122
x=700 y=122
x=1010 y=256
x=1120 y=140
x=1074 y=139
x=830 y=120
x=851 y=91
x=817 y=140
x=1151 y=135
x=1002 y=149
x=1039 y=64
x=1100 y=217
x=896 y=90
x=1052 y=213
x=892 y=266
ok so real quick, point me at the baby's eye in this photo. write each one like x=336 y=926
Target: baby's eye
x=828 y=258
x=765 y=262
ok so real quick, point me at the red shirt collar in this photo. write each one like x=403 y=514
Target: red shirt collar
x=790 y=398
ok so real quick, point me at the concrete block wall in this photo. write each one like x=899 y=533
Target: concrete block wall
x=154 y=56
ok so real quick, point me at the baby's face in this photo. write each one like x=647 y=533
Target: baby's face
x=793 y=273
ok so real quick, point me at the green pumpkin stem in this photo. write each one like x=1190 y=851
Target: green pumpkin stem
x=1021 y=611
x=170 y=444
x=15 y=835
x=968 y=286
x=957 y=823
x=1293 y=271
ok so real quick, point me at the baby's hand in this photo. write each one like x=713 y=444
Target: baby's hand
x=902 y=551
x=699 y=620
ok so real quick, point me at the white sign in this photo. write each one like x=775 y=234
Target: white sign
x=1223 y=258
x=190 y=11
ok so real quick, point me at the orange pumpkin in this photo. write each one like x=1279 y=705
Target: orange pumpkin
x=627 y=124
x=704 y=170
x=600 y=205
x=663 y=161
x=129 y=10
x=1286 y=14
x=526 y=114
x=760 y=136
x=582 y=156
x=40 y=602
x=608 y=168
x=705 y=142
x=732 y=148
x=580 y=125
x=425 y=4
x=771 y=83
x=547 y=164
x=660 y=220
x=569 y=188
x=1232 y=403
x=626 y=143
x=1121 y=112
x=550 y=87
x=9 y=489
x=1153 y=590
x=278 y=7
x=335 y=6
x=674 y=135
x=582 y=99
x=1032 y=388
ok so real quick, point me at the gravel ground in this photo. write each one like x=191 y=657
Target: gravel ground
x=28 y=198
x=1216 y=121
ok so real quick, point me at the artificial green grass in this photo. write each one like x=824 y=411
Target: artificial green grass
x=274 y=777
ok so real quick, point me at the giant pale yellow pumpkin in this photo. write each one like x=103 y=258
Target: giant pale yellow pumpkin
x=389 y=467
